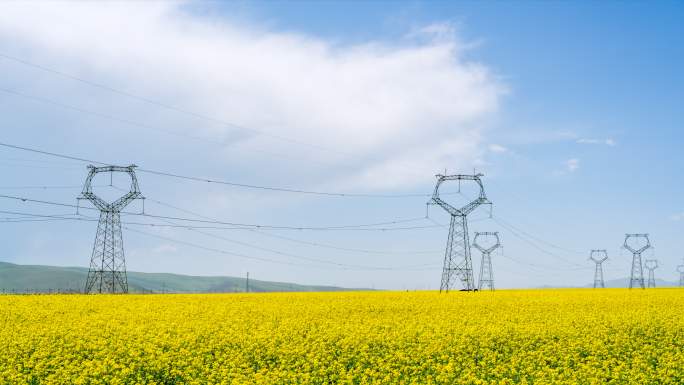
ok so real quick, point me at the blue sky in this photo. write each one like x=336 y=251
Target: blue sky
x=571 y=110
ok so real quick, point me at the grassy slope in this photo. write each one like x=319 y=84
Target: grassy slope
x=44 y=278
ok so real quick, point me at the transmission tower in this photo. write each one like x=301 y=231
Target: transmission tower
x=651 y=265
x=637 y=276
x=598 y=256
x=457 y=260
x=680 y=270
x=486 y=272
x=107 y=273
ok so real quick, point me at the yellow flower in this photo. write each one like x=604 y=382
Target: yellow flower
x=609 y=336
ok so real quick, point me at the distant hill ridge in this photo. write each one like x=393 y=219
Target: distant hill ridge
x=615 y=283
x=43 y=279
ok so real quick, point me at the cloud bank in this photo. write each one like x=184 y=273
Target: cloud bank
x=572 y=165
x=608 y=142
x=381 y=115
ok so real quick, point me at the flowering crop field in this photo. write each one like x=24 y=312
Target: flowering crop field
x=610 y=336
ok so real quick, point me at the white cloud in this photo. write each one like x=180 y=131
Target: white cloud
x=497 y=148
x=572 y=164
x=677 y=217
x=393 y=112
x=608 y=142
x=165 y=249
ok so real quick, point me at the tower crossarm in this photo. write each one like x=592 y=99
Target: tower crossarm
x=598 y=255
x=123 y=201
x=641 y=249
x=680 y=269
x=483 y=249
x=468 y=208
x=651 y=264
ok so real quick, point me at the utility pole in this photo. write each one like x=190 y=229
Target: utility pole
x=457 y=260
x=107 y=273
x=247 y=283
x=651 y=265
x=637 y=275
x=598 y=256
x=486 y=272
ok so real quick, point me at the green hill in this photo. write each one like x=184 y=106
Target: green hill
x=44 y=279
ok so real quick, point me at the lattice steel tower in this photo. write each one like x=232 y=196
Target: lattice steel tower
x=637 y=276
x=486 y=272
x=457 y=260
x=598 y=256
x=107 y=273
x=680 y=270
x=651 y=265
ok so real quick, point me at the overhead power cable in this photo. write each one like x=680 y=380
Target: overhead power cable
x=221 y=251
x=346 y=266
x=19 y=217
x=223 y=182
x=281 y=189
x=293 y=240
x=42 y=187
x=537 y=239
x=309 y=259
x=517 y=235
x=54 y=154
x=355 y=227
x=164 y=105
x=542 y=267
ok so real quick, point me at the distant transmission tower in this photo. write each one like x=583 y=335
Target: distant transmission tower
x=651 y=265
x=107 y=273
x=598 y=256
x=486 y=273
x=680 y=270
x=457 y=261
x=637 y=276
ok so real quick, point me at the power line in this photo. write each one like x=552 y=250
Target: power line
x=24 y=220
x=212 y=249
x=47 y=217
x=40 y=187
x=282 y=189
x=310 y=259
x=537 y=239
x=223 y=182
x=538 y=266
x=147 y=126
x=246 y=244
x=294 y=240
x=517 y=235
x=339 y=248
x=164 y=105
x=354 y=227
x=48 y=153
x=252 y=257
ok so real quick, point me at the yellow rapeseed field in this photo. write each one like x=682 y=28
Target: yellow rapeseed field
x=612 y=336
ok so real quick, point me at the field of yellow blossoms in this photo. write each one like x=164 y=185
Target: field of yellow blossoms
x=611 y=336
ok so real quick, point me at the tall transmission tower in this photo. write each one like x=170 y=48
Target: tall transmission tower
x=637 y=275
x=651 y=265
x=598 y=256
x=457 y=260
x=680 y=270
x=486 y=272
x=107 y=273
